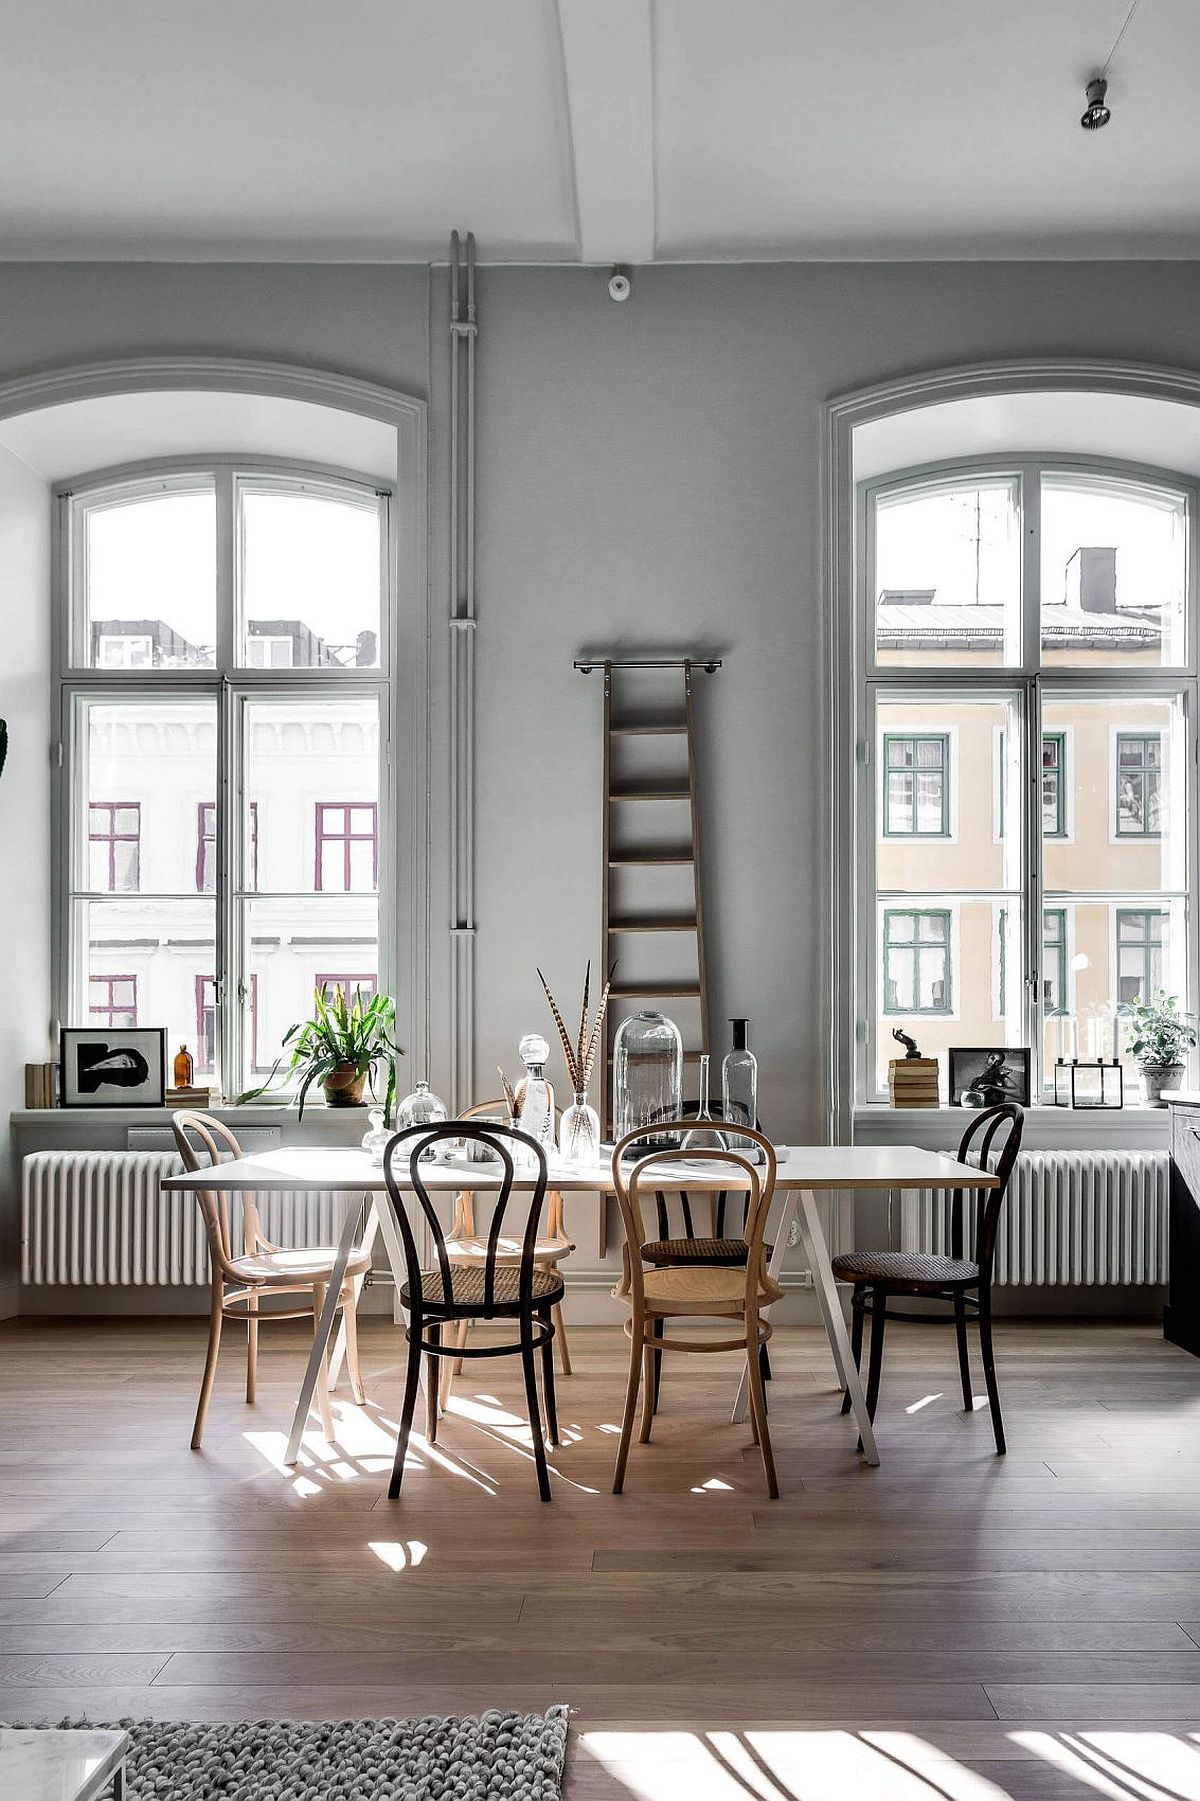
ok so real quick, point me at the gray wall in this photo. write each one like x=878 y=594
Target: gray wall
x=648 y=476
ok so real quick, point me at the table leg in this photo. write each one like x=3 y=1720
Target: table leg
x=323 y=1332
x=783 y=1235
x=835 y=1325
x=366 y=1243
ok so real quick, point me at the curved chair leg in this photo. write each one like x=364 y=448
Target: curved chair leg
x=535 y=1418
x=631 y=1395
x=210 y=1363
x=758 y=1405
x=433 y=1377
x=875 y=1364
x=251 y=1349
x=857 y=1316
x=353 y=1368
x=323 y=1406
x=658 y=1327
x=989 y=1367
x=548 y=1383
x=560 y=1330
x=649 y=1355
x=456 y=1363
x=964 y=1366
x=412 y=1382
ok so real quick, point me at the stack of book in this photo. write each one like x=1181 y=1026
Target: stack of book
x=913 y=1082
x=189 y=1097
x=41 y=1084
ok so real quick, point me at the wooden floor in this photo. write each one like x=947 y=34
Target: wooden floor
x=952 y=1624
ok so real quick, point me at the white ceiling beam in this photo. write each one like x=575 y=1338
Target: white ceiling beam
x=609 y=74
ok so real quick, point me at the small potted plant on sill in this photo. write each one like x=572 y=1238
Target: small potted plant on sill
x=341 y=1047
x=1160 y=1037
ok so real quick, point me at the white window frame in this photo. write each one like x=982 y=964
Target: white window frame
x=229 y=684
x=875 y=682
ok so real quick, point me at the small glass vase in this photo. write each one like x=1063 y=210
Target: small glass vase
x=579 y=1132
x=704 y=1135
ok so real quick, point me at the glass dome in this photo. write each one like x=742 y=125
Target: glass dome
x=420 y=1108
x=647 y=1077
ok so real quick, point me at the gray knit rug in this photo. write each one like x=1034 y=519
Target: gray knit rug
x=497 y=1755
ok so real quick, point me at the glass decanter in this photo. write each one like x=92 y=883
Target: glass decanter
x=647 y=1078
x=535 y=1096
x=704 y=1135
x=739 y=1090
x=375 y=1141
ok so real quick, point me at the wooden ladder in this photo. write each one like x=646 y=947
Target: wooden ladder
x=653 y=910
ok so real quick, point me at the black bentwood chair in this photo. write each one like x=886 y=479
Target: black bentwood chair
x=487 y=1289
x=991 y=1142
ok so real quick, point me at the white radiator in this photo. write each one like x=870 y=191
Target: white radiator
x=99 y=1218
x=1070 y=1218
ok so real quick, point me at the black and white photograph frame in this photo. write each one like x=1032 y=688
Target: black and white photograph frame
x=987 y=1075
x=122 y=1066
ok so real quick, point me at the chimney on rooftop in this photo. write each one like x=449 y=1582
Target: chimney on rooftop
x=1092 y=579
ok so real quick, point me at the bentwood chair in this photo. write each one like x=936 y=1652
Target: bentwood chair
x=656 y=1296
x=489 y=1288
x=963 y=1280
x=466 y=1246
x=241 y=1278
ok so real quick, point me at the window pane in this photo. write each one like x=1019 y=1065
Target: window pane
x=950 y=973
x=1114 y=573
x=1123 y=820
x=148 y=768
x=1116 y=952
x=946 y=798
x=312 y=784
x=295 y=947
x=310 y=579
x=137 y=963
x=947 y=574
x=149 y=581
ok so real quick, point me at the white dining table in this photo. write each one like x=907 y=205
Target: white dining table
x=803 y=1172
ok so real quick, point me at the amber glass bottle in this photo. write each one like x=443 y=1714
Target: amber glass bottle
x=184 y=1069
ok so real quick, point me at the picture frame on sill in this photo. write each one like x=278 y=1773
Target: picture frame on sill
x=983 y=1076
x=121 y=1066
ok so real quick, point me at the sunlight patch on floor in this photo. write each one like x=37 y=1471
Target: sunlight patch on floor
x=397 y=1554
x=1154 y=1766
x=925 y=1401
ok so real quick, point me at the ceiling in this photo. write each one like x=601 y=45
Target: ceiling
x=595 y=130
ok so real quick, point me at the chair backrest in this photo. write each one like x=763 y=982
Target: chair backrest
x=405 y=1151
x=632 y=1184
x=991 y=1142
x=202 y=1142
x=464 y=1206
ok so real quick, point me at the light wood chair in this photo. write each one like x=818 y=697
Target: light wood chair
x=239 y=1279
x=467 y=1248
x=694 y=1290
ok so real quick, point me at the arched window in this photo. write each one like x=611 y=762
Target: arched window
x=225 y=643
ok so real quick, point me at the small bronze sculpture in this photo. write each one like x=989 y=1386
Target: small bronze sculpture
x=910 y=1044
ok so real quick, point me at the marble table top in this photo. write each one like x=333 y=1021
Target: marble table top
x=46 y=1764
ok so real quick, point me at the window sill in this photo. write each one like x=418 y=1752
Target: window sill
x=1046 y=1128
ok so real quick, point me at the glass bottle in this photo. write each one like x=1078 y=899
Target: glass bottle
x=535 y=1096
x=704 y=1135
x=739 y=1089
x=647 y=1078
x=375 y=1141
x=183 y=1069
x=579 y=1132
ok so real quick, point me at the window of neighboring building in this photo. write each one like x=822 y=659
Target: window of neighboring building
x=1054 y=960
x=916 y=786
x=114 y=846
x=1054 y=784
x=1139 y=784
x=206 y=846
x=1141 y=942
x=367 y=985
x=916 y=961
x=124 y=650
x=112 y=1001
x=347 y=845
x=264 y=652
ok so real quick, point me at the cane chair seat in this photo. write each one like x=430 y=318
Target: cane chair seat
x=728 y=1251
x=469 y=1251
x=699 y=1288
x=468 y=1289
x=304 y=1266
x=906 y=1269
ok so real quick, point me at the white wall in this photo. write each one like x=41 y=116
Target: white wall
x=24 y=810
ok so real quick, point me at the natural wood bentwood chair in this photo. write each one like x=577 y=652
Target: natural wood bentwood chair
x=963 y=1279
x=487 y=1289
x=239 y=1278
x=466 y=1246
x=692 y=1290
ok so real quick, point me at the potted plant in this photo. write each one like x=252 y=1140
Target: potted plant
x=1159 y=1037
x=341 y=1047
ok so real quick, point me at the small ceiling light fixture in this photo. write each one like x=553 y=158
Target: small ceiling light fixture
x=1096 y=114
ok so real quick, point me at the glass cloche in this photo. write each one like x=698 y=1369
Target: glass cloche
x=420 y=1108
x=647 y=1077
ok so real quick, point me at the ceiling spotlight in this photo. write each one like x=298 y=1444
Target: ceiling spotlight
x=1095 y=114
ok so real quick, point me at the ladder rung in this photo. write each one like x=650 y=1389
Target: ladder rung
x=685 y=924
x=648 y=858
x=632 y=990
x=633 y=730
x=649 y=794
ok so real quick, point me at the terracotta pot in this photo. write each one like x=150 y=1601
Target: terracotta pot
x=1156 y=1077
x=344 y=1085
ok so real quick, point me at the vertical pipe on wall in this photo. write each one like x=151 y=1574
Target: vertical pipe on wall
x=462 y=667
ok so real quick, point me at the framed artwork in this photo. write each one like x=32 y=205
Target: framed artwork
x=986 y=1077
x=123 y=1066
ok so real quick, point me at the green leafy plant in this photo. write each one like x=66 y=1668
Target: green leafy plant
x=1159 y=1034
x=360 y=1033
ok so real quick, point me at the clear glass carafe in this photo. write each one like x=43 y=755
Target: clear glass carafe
x=535 y=1096
x=704 y=1135
x=647 y=1078
x=739 y=1089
